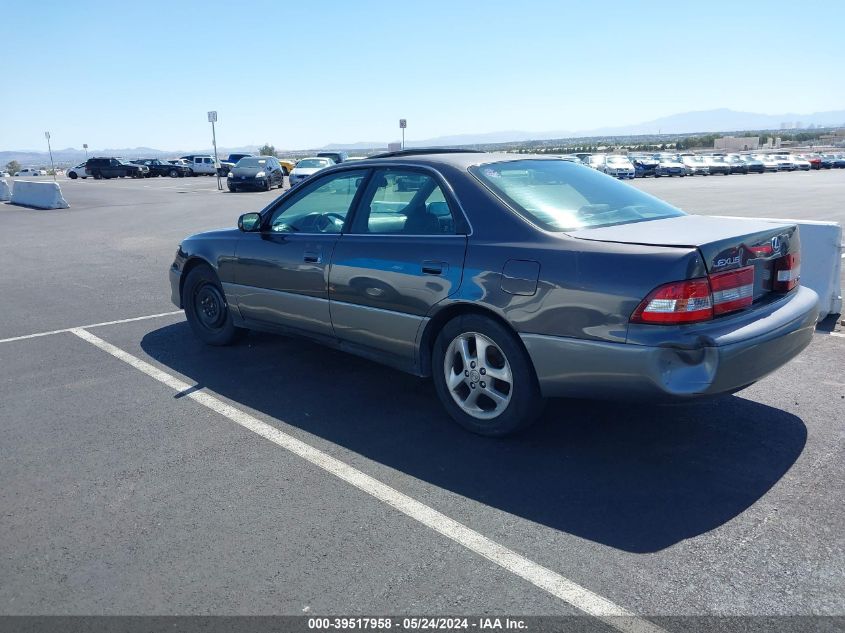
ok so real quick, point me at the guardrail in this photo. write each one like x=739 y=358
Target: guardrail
x=38 y=195
x=821 y=261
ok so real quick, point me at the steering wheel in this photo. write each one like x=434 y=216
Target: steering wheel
x=327 y=220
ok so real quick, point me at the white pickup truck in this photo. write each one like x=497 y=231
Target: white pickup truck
x=202 y=165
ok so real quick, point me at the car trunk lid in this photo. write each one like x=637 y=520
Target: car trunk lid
x=725 y=244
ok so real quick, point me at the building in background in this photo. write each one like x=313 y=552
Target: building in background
x=737 y=143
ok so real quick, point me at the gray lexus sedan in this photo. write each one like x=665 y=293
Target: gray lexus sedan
x=508 y=279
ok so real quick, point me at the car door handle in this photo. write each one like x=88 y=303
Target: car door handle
x=434 y=268
x=312 y=257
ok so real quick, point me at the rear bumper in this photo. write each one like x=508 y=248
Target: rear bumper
x=735 y=359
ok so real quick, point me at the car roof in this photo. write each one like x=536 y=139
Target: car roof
x=459 y=159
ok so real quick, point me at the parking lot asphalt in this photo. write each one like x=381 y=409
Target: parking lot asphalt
x=125 y=495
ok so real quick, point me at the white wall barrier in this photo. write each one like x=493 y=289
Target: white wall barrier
x=5 y=192
x=41 y=195
x=821 y=261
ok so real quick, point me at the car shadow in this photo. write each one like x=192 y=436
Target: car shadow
x=639 y=478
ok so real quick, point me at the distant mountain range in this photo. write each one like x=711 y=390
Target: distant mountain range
x=72 y=156
x=704 y=121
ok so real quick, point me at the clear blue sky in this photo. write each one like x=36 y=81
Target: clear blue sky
x=302 y=74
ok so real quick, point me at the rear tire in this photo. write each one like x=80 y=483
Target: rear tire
x=207 y=310
x=173 y=173
x=498 y=393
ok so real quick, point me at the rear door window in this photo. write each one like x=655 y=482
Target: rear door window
x=407 y=202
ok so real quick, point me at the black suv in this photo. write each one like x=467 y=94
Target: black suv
x=112 y=168
x=163 y=168
x=227 y=165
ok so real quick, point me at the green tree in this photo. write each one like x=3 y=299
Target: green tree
x=267 y=150
x=13 y=167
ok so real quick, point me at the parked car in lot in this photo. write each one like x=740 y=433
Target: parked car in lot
x=159 y=167
x=769 y=162
x=718 y=165
x=833 y=161
x=256 y=172
x=5 y=174
x=202 y=165
x=619 y=166
x=227 y=164
x=307 y=167
x=30 y=171
x=501 y=277
x=669 y=166
x=102 y=167
x=143 y=170
x=801 y=164
x=644 y=166
x=784 y=162
x=736 y=164
x=77 y=172
x=814 y=159
x=596 y=161
x=180 y=161
x=337 y=157
x=754 y=166
x=695 y=165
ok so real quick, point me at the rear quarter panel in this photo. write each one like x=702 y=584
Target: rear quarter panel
x=585 y=289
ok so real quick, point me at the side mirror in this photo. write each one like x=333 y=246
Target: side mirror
x=249 y=222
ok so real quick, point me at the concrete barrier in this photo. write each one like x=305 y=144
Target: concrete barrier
x=5 y=192
x=821 y=261
x=40 y=195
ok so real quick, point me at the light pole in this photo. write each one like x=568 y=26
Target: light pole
x=212 y=118
x=403 y=123
x=50 y=149
x=85 y=147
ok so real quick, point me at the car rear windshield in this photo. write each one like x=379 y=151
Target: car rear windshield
x=562 y=196
x=312 y=162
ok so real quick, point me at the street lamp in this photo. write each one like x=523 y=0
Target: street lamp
x=50 y=149
x=212 y=118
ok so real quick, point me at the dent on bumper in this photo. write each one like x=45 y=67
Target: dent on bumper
x=583 y=368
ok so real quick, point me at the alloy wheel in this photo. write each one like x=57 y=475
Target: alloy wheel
x=478 y=375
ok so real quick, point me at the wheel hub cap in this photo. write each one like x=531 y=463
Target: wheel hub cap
x=478 y=375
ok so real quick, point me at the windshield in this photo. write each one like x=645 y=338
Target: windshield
x=617 y=159
x=251 y=162
x=561 y=196
x=310 y=163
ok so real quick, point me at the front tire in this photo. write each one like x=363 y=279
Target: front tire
x=207 y=310
x=73 y=175
x=484 y=377
x=173 y=173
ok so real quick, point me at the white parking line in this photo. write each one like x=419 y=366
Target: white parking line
x=839 y=334
x=546 y=579
x=70 y=329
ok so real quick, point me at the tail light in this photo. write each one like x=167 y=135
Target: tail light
x=679 y=302
x=733 y=290
x=696 y=300
x=787 y=272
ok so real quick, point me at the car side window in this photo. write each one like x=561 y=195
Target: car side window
x=407 y=202
x=321 y=207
